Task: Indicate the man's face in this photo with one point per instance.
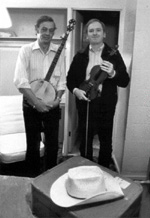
(45, 32)
(95, 33)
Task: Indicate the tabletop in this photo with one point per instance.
(129, 206)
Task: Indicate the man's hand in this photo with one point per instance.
(108, 68)
(54, 103)
(42, 107)
(80, 94)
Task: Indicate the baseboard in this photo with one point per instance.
(139, 177)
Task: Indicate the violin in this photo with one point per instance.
(97, 77)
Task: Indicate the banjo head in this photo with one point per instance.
(44, 91)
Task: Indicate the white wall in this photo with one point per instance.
(84, 4)
(126, 42)
(137, 143)
(23, 21)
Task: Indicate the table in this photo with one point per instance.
(15, 197)
(43, 206)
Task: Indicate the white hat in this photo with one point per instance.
(67, 194)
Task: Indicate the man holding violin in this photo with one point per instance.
(93, 77)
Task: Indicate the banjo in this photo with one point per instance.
(42, 88)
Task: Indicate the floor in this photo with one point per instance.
(17, 170)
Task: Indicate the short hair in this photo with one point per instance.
(92, 21)
(42, 19)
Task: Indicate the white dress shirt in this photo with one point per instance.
(33, 64)
(94, 59)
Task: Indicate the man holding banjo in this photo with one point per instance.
(42, 89)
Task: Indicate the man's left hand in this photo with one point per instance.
(108, 68)
(53, 104)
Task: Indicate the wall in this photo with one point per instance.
(137, 143)
(64, 3)
(8, 57)
(126, 42)
(24, 21)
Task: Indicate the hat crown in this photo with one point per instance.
(85, 181)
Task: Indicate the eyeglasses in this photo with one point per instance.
(44, 29)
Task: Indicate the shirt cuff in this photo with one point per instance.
(113, 75)
(74, 90)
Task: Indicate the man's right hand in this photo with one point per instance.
(80, 94)
(42, 107)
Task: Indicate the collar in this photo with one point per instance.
(99, 49)
(85, 51)
(52, 47)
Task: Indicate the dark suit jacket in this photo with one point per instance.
(77, 74)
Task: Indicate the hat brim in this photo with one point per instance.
(61, 198)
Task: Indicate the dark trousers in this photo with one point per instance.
(99, 122)
(35, 123)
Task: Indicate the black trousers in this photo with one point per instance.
(35, 123)
(100, 122)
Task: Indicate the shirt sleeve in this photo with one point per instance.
(21, 77)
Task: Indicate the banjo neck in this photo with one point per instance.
(70, 27)
(56, 57)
